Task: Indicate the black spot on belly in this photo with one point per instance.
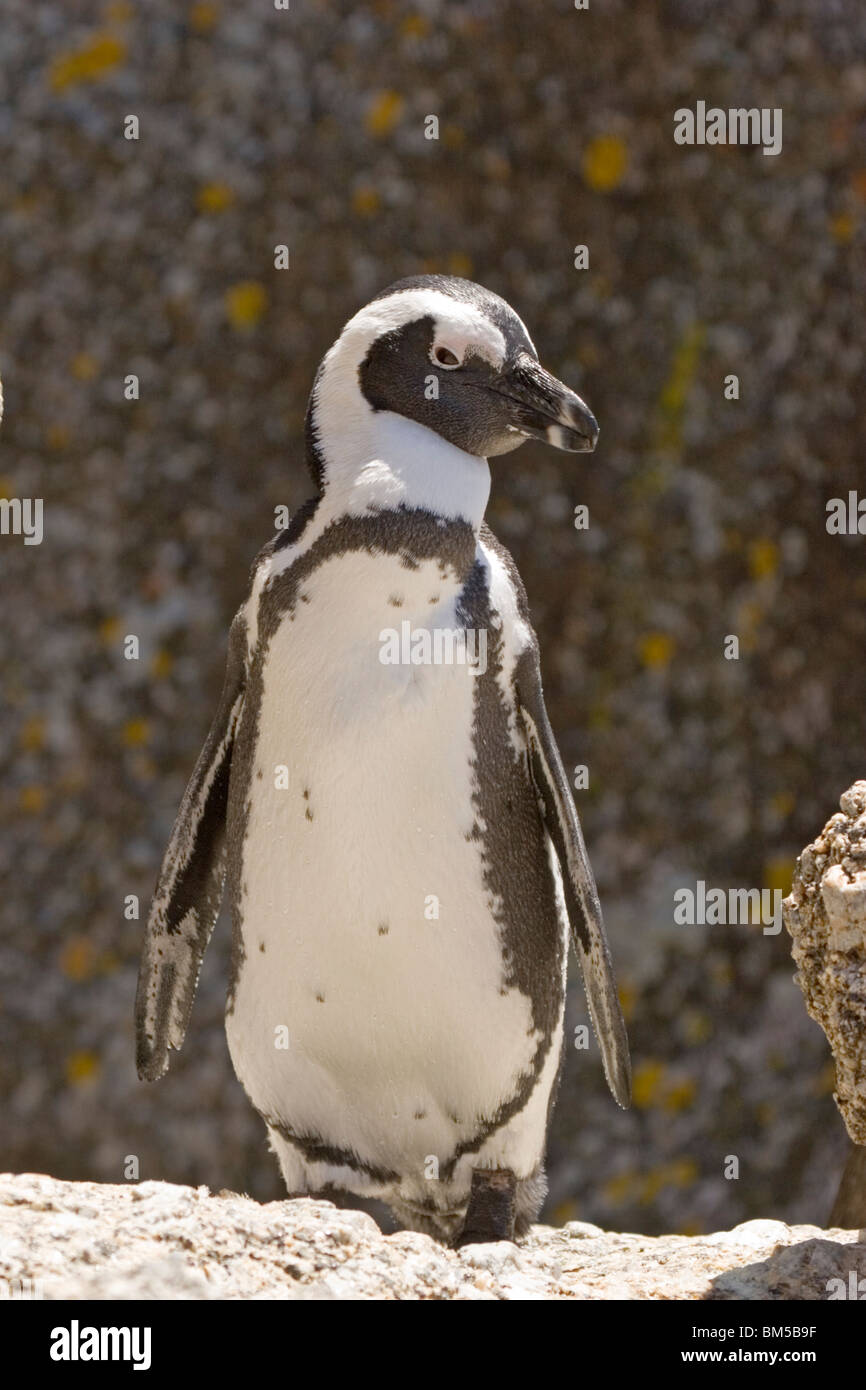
(395, 602)
(434, 599)
(383, 928)
(413, 536)
(420, 1114)
(320, 998)
(259, 773)
(261, 946)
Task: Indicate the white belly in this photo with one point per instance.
(367, 926)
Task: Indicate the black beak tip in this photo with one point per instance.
(591, 434)
(585, 425)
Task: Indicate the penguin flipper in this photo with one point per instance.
(189, 890)
(581, 894)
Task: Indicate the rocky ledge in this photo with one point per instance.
(154, 1240)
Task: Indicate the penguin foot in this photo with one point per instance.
(490, 1214)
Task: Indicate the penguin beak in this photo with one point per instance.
(544, 408)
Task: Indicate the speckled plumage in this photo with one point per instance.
(398, 842)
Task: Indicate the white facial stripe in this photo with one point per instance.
(459, 326)
(376, 458)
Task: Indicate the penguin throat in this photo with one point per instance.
(378, 460)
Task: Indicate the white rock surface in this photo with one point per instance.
(155, 1240)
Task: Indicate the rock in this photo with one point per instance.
(826, 918)
(154, 1240)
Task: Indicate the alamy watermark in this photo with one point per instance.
(739, 125)
(438, 646)
(77, 1343)
(22, 516)
(735, 907)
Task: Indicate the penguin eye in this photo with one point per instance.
(446, 358)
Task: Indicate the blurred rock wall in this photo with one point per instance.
(154, 257)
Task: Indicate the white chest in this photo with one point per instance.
(367, 924)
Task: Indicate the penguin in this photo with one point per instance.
(395, 833)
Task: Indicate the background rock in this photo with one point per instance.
(156, 257)
(826, 917)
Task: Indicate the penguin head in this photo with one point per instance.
(451, 356)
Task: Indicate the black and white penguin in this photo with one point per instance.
(395, 831)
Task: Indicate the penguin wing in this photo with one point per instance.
(581, 894)
(189, 890)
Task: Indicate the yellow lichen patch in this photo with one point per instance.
(84, 367)
(78, 959)
(108, 962)
(682, 1172)
(135, 733)
(32, 735)
(57, 437)
(652, 1183)
(778, 872)
(32, 799)
(749, 618)
(365, 201)
(109, 630)
(721, 971)
(620, 1188)
(668, 431)
(453, 137)
(683, 368)
(384, 112)
(82, 1067)
(783, 804)
(101, 53)
(203, 17)
(696, 1027)
(647, 1085)
(842, 228)
(655, 650)
(680, 1095)
(415, 26)
(459, 264)
(161, 665)
(245, 304)
(6, 488)
(763, 559)
(215, 197)
(604, 163)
